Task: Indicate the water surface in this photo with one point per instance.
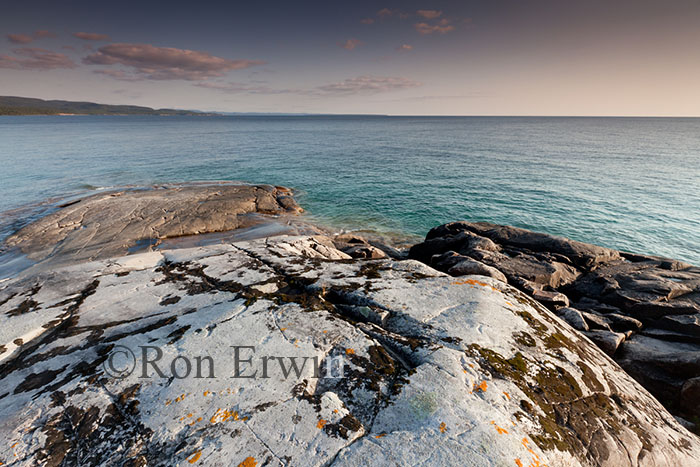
(626, 183)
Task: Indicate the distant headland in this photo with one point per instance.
(11, 105)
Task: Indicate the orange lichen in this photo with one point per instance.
(222, 415)
(14, 445)
(443, 427)
(195, 457)
(168, 402)
(474, 282)
(206, 393)
(335, 410)
(380, 435)
(248, 462)
(325, 332)
(180, 398)
(501, 431)
(283, 329)
(481, 386)
(350, 351)
(321, 423)
(507, 395)
(518, 462)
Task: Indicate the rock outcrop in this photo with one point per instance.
(437, 370)
(113, 223)
(643, 310)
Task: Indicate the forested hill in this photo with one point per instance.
(10, 105)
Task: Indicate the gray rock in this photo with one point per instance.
(573, 317)
(111, 223)
(438, 370)
(469, 266)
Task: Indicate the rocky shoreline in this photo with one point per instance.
(642, 310)
(475, 346)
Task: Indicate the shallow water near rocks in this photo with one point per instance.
(627, 183)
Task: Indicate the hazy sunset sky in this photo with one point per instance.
(495, 57)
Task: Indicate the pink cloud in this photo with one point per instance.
(91, 36)
(385, 13)
(429, 14)
(242, 88)
(367, 20)
(404, 48)
(32, 58)
(43, 33)
(19, 38)
(164, 63)
(27, 38)
(350, 44)
(368, 85)
(442, 27)
(118, 74)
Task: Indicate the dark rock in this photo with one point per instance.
(682, 324)
(364, 252)
(596, 321)
(607, 340)
(654, 310)
(551, 298)
(580, 253)
(622, 323)
(573, 317)
(651, 301)
(660, 366)
(670, 336)
(690, 397)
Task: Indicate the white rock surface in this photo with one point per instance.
(438, 370)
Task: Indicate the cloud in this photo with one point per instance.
(43, 33)
(351, 86)
(385, 13)
(368, 85)
(91, 36)
(242, 88)
(404, 48)
(442, 27)
(165, 63)
(118, 74)
(19, 38)
(429, 14)
(367, 20)
(350, 44)
(32, 58)
(27, 38)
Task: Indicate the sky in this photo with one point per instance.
(496, 57)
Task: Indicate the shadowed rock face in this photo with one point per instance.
(438, 370)
(110, 224)
(643, 310)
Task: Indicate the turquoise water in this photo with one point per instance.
(626, 183)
